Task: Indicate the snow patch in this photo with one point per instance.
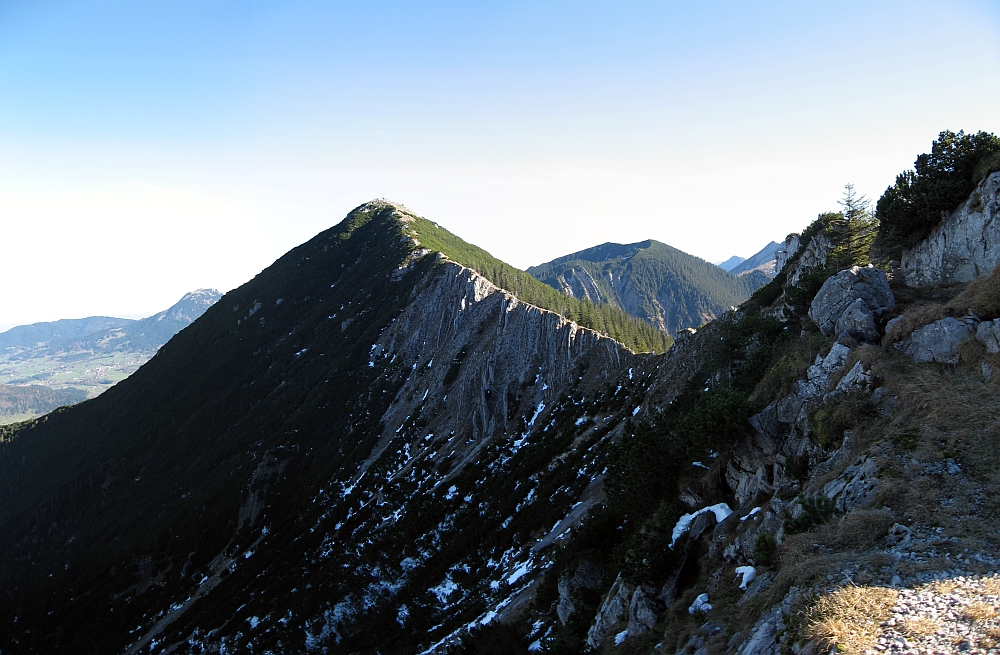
(748, 573)
(538, 410)
(700, 604)
(683, 524)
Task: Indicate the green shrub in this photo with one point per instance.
(765, 550)
(797, 467)
(940, 181)
(816, 510)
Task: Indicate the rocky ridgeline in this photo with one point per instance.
(942, 587)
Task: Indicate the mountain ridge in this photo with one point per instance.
(650, 280)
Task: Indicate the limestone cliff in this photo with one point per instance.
(965, 245)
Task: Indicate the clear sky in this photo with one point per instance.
(150, 148)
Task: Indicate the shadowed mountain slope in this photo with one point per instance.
(651, 280)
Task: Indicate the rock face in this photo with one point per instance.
(813, 256)
(841, 292)
(964, 246)
(857, 486)
(614, 609)
(785, 252)
(587, 576)
(479, 393)
(937, 342)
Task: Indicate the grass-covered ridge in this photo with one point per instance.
(633, 332)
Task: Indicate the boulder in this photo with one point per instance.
(857, 379)
(988, 334)
(858, 322)
(937, 342)
(840, 292)
(965, 245)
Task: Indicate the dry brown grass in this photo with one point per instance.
(991, 639)
(924, 627)
(959, 408)
(979, 611)
(864, 528)
(990, 586)
(981, 295)
(915, 318)
(849, 618)
(943, 586)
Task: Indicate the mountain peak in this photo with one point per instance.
(191, 305)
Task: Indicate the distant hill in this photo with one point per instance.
(763, 260)
(48, 365)
(146, 334)
(31, 336)
(650, 280)
(731, 263)
(34, 400)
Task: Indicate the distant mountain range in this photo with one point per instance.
(650, 280)
(762, 261)
(48, 365)
(731, 263)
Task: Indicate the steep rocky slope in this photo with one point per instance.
(651, 280)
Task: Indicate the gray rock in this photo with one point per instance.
(988, 334)
(899, 536)
(586, 576)
(642, 613)
(857, 486)
(764, 637)
(813, 256)
(839, 292)
(857, 379)
(937, 342)
(785, 252)
(614, 608)
(858, 322)
(987, 371)
(964, 246)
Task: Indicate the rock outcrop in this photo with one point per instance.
(964, 246)
(813, 256)
(841, 292)
(988, 334)
(939, 341)
(785, 252)
(614, 609)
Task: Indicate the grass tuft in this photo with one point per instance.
(848, 619)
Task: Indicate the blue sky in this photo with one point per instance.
(150, 148)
